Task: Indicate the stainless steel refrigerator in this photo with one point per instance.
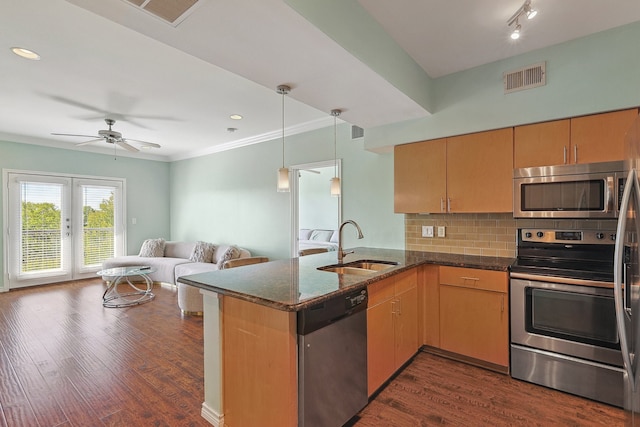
(627, 276)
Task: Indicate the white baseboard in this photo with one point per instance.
(212, 416)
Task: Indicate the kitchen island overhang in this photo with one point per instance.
(250, 330)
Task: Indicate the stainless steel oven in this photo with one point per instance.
(569, 191)
(563, 324)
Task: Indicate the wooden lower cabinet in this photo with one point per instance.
(392, 326)
(474, 314)
(260, 359)
(429, 289)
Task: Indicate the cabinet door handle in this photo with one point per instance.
(399, 312)
(502, 304)
(441, 204)
(575, 153)
(448, 204)
(564, 154)
(475, 279)
(393, 308)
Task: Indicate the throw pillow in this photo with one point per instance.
(322, 235)
(152, 248)
(202, 252)
(231, 252)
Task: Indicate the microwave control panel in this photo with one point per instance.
(597, 237)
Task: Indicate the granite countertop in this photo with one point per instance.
(296, 283)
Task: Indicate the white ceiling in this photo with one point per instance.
(177, 86)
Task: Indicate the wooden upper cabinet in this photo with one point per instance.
(480, 172)
(420, 176)
(541, 144)
(600, 137)
(587, 139)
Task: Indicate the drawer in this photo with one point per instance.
(475, 278)
(406, 280)
(381, 291)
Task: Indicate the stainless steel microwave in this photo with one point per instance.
(591, 190)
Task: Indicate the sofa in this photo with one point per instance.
(175, 259)
(311, 238)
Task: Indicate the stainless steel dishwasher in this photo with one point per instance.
(332, 360)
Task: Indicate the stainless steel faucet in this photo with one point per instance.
(341, 253)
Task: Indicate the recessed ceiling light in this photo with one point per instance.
(25, 53)
(235, 117)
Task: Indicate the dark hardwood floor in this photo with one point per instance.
(67, 361)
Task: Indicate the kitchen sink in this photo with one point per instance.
(362, 267)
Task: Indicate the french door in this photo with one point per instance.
(61, 227)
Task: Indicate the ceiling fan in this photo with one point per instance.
(112, 137)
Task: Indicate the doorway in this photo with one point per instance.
(313, 208)
(60, 227)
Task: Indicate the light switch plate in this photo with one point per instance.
(427, 231)
(441, 231)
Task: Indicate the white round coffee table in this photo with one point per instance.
(122, 276)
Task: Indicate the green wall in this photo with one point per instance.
(147, 184)
(232, 196)
(587, 75)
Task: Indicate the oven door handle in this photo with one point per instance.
(618, 273)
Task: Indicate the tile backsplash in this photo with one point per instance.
(491, 234)
(471, 234)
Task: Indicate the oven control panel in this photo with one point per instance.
(599, 237)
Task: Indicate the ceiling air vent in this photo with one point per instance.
(171, 11)
(356, 132)
(525, 78)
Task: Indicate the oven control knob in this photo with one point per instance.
(613, 237)
(540, 234)
(528, 234)
(599, 236)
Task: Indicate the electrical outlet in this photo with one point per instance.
(427, 231)
(134, 221)
(441, 231)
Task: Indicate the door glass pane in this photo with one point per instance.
(40, 227)
(98, 224)
(585, 318)
(587, 195)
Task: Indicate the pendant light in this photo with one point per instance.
(283, 173)
(335, 181)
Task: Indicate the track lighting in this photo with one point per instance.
(525, 10)
(515, 35)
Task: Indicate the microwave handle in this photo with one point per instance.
(608, 194)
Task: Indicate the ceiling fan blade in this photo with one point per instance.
(78, 104)
(88, 142)
(73, 134)
(145, 143)
(127, 146)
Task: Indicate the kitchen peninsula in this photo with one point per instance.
(250, 328)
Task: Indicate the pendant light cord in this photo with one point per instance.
(283, 90)
(335, 145)
(283, 93)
